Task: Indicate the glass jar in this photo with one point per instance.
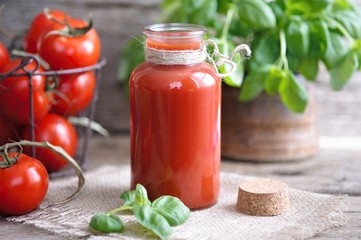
(175, 118)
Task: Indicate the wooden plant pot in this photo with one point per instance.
(265, 130)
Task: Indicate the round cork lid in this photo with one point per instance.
(263, 197)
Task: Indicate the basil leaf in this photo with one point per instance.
(141, 197)
(152, 220)
(203, 12)
(273, 80)
(309, 7)
(172, 209)
(253, 85)
(266, 49)
(223, 6)
(319, 35)
(339, 5)
(234, 79)
(298, 37)
(172, 11)
(256, 14)
(341, 73)
(336, 50)
(281, 3)
(293, 61)
(350, 20)
(278, 10)
(128, 197)
(292, 93)
(106, 223)
(309, 68)
(189, 11)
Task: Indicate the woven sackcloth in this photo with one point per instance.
(310, 213)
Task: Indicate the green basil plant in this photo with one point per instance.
(287, 37)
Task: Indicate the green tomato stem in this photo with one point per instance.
(47, 13)
(41, 61)
(86, 122)
(8, 161)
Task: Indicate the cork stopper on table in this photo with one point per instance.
(263, 197)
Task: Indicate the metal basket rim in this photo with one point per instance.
(101, 63)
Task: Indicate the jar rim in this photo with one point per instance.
(178, 30)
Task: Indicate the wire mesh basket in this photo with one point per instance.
(13, 130)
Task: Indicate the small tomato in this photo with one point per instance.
(23, 185)
(59, 132)
(38, 24)
(14, 94)
(74, 93)
(63, 47)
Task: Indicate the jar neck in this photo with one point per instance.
(175, 36)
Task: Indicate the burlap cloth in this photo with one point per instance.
(310, 213)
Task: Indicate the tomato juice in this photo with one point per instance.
(175, 129)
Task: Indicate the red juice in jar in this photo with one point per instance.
(175, 119)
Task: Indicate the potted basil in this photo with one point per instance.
(289, 40)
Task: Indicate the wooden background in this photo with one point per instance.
(119, 20)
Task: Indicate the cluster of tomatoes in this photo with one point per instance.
(64, 43)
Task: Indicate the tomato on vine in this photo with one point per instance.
(74, 93)
(41, 21)
(72, 45)
(57, 131)
(14, 93)
(24, 184)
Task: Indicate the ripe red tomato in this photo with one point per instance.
(14, 95)
(38, 24)
(74, 93)
(23, 186)
(59, 132)
(67, 52)
(4, 55)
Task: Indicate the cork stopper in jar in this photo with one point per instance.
(263, 197)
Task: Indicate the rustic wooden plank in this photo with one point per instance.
(331, 171)
(9, 230)
(352, 229)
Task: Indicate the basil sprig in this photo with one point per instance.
(287, 38)
(157, 216)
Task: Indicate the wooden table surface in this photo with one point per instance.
(336, 169)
